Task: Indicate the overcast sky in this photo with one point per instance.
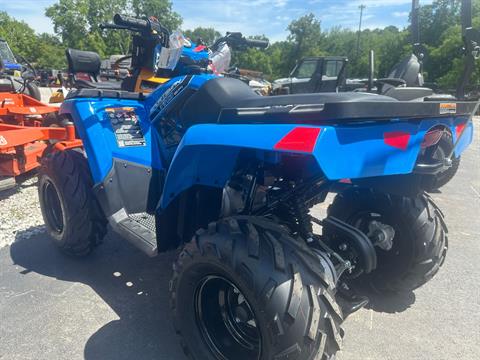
(268, 17)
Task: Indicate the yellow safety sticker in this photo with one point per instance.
(448, 108)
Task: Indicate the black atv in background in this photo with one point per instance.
(314, 75)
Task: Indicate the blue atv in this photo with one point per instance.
(206, 165)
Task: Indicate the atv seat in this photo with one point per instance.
(408, 93)
(230, 100)
(405, 81)
(87, 63)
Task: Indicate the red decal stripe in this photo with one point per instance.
(459, 129)
(299, 139)
(397, 139)
(199, 48)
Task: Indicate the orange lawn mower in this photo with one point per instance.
(29, 130)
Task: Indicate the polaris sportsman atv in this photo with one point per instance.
(205, 164)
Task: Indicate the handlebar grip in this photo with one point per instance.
(130, 22)
(262, 44)
(106, 26)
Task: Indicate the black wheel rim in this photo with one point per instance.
(439, 154)
(53, 207)
(226, 320)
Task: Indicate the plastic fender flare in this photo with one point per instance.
(207, 154)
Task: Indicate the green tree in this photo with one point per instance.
(161, 9)
(206, 35)
(20, 37)
(445, 63)
(77, 22)
(436, 18)
(42, 51)
(306, 36)
(255, 59)
(70, 21)
(50, 53)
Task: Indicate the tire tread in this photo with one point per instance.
(251, 236)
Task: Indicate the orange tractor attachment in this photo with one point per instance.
(27, 128)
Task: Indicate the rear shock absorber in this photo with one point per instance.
(301, 213)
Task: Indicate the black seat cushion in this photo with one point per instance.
(408, 70)
(88, 62)
(83, 62)
(408, 93)
(107, 85)
(225, 99)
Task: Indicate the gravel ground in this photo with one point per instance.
(20, 212)
(19, 207)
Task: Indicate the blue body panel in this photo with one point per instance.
(465, 140)
(195, 55)
(207, 153)
(12, 66)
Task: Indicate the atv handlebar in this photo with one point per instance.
(261, 44)
(145, 26)
(113, 27)
(237, 41)
(131, 22)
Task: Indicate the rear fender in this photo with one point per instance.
(466, 137)
(208, 153)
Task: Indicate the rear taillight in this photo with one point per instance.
(432, 138)
(302, 139)
(459, 129)
(397, 139)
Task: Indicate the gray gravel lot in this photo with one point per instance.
(20, 212)
(114, 304)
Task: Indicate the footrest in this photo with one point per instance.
(139, 229)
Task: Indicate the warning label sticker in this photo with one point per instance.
(448, 108)
(126, 126)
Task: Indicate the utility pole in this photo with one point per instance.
(361, 7)
(415, 22)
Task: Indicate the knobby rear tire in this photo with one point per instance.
(420, 244)
(290, 289)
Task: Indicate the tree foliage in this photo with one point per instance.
(43, 50)
(77, 22)
(205, 35)
(77, 25)
(440, 32)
